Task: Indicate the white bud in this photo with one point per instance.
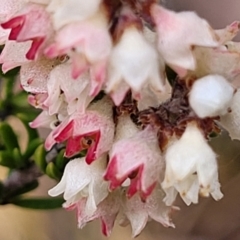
(211, 96)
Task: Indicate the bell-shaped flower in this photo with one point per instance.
(30, 23)
(106, 211)
(191, 167)
(92, 130)
(68, 11)
(231, 121)
(137, 157)
(134, 62)
(211, 96)
(61, 86)
(138, 212)
(81, 180)
(191, 31)
(78, 40)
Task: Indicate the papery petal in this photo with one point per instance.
(13, 55)
(34, 75)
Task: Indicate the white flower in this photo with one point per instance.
(82, 180)
(211, 96)
(191, 167)
(134, 63)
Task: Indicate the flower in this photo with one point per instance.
(191, 167)
(138, 212)
(190, 30)
(81, 180)
(211, 96)
(84, 50)
(106, 211)
(62, 87)
(92, 130)
(134, 62)
(137, 157)
(22, 30)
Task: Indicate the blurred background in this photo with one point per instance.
(209, 220)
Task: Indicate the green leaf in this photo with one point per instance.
(31, 148)
(53, 172)
(61, 161)
(7, 159)
(39, 203)
(18, 158)
(8, 136)
(40, 157)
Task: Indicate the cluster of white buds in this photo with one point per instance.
(97, 69)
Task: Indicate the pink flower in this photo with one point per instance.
(78, 39)
(190, 30)
(93, 130)
(138, 212)
(137, 157)
(106, 211)
(31, 23)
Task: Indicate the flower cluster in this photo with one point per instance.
(98, 70)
